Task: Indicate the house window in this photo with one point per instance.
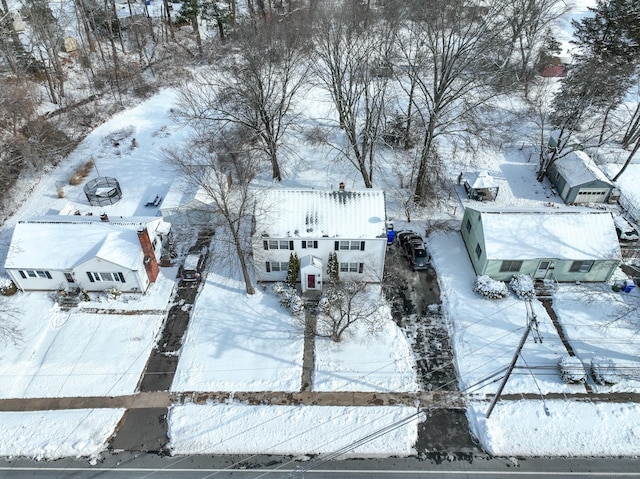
(581, 266)
(468, 225)
(510, 266)
(351, 267)
(478, 250)
(349, 245)
(308, 244)
(274, 266)
(29, 273)
(277, 244)
(111, 277)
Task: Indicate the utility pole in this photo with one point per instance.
(532, 324)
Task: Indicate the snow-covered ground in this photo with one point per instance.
(238, 342)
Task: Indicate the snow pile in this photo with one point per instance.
(289, 298)
(604, 370)
(572, 370)
(522, 286)
(490, 288)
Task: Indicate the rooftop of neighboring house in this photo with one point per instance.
(578, 168)
(562, 233)
(59, 242)
(310, 213)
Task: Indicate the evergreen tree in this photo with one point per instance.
(613, 32)
(602, 72)
(294, 270)
(333, 268)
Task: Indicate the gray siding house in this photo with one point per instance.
(566, 245)
(579, 180)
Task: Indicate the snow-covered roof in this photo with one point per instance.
(578, 168)
(321, 213)
(181, 194)
(481, 180)
(571, 233)
(61, 242)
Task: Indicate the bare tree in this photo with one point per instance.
(254, 92)
(522, 30)
(446, 50)
(343, 305)
(225, 173)
(47, 38)
(353, 51)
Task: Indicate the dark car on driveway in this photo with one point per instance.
(412, 246)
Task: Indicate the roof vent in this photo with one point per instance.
(104, 217)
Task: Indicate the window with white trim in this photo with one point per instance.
(351, 267)
(30, 273)
(277, 244)
(275, 266)
(309, 244)
(478, 250)
(106, 277)
(581, 266)
(508, 266)
(349, 246)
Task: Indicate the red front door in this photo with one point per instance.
(311, 281)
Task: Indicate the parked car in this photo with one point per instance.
(192, 268)
(626, 232)
(413, 248)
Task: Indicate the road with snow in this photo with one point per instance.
(139, 466)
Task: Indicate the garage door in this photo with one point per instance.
(591, 195)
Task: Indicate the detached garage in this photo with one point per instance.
(579, 180)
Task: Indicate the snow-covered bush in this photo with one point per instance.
(603, 370)
(522, 286)
(490, 288)
(289, 298)
(572, 370)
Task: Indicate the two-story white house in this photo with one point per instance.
(314, 223)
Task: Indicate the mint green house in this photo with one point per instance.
(563, 244)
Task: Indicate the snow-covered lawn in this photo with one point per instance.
(240, 429)
(57, 434)
(594, 320)
(79, 353)
(237, 342)
(557, 428)
(365, 360)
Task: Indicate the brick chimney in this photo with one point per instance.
(150, 262)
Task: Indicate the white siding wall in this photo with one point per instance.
(135, 280)
(38, 283)
(372, 256)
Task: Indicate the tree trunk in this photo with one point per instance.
(243, 262)
(628, 161)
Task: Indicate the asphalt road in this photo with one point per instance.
(139, 466)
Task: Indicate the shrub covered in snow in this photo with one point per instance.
(522, 285)
(289, 298)
(490, 288)
(603, 370)
(572, 370)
